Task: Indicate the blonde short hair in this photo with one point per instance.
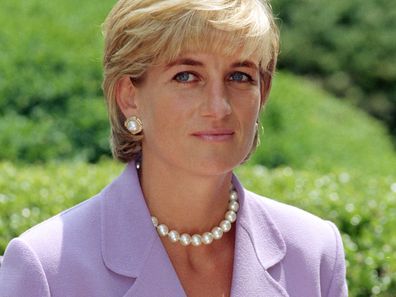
(139, 33)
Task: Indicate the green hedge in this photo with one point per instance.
(50, 76)
(307, 128)
(362, 206)
(347, 45)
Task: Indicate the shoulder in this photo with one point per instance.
(294, 223)
(35, 258)
(67, 251)
(67, 235)
(314, 248)
(70, 224)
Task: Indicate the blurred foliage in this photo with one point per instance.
(348, 45)
(30, 194)
(304, 127)
(51, 103)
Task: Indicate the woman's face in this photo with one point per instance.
(199, 112)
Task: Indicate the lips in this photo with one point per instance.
(214, 135)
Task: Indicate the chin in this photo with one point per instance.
(218, 166)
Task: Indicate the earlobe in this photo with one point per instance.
(125, 96)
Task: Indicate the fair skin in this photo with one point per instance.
(199, 114)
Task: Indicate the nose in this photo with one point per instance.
(216, 103)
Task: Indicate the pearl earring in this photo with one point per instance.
(134, 125)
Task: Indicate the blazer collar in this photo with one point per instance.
(131, 246)
(127, 231)
(258, 246)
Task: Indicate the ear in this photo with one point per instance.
(266, 83)
(126, 96)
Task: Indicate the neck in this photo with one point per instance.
(184, 201)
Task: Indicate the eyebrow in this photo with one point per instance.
(184, 61)
(192, 62)
(246, 63)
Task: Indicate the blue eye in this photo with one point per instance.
(240, 77)
(184, 77)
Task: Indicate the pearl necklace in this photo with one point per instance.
(206, 238)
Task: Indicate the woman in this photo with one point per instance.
(185, 82)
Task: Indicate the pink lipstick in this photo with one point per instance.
(215, 135)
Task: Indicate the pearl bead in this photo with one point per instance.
(132, 126)
(231, 216)
(234, 196)
(155, 221)
(185, 239)
(196, 240)
(163, 229)
(217, 232)
(174, 236)
(233, 205)
(225, 225)
(207, 238)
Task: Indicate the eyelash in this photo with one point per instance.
(244, 80)
(248, 77)
(177, 77)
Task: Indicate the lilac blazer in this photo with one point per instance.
(108, 247)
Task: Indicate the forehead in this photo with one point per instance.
(211, 58)
(215, 42)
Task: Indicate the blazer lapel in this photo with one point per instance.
(258, 246)
(158, 277)
(132, 248)
(130, 244)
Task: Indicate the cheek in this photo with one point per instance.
(164, 117)
(248, 108)
(248, 112)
